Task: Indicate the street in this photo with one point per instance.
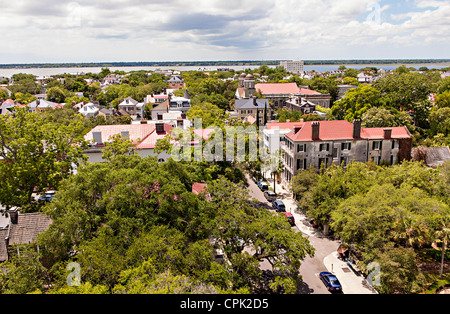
(311, 266)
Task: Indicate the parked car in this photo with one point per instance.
(331, 281)
(278, 206)
(270, 196)
(289, 217)
(47, 196)
(262, 185)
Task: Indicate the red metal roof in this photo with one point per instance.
(343, 130)
(278, 88)
(283, 88)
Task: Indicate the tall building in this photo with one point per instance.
(293, 66)
(341, 142)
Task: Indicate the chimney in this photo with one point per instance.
(125, 134)
(387, 133)
(97, 136)
(357, 128)
(159, 128)
(254, 101)
(14, 215)
(315, 125)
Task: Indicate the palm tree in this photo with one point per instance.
(277, 167)
(410, 231)
(443, 236)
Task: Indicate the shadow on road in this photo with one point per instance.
(260, 205)
(303, 288)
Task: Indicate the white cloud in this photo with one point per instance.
(139, 30)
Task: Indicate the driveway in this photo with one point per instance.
(325, 257)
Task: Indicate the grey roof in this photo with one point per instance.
(41, 103)
(128, 100)
(28, 226)
(437, 156)
(106, 111)
(249, 104)
(3, 248)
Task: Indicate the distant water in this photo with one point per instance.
(47, 72)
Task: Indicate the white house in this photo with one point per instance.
(365, 78)
(144, 137)
(89, 110)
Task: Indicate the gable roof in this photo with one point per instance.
(143, 136)
(277, 88)
(248, 104)
(25, 231)
(378, 133)
(164, 106)
(284, 125)
(306, 91)
(435, 156)
(128, 101)
(42, 103)
(343, 130)
(28, 227)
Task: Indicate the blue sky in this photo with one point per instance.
(175, 30)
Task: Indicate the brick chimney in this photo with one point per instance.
(357, 128)
(14, 215)
(387, 133)
(315, 125)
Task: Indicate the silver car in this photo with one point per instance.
(270, 196)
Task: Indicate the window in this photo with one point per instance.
(393, 160)
(377, 160)
(323, 161)
(346, 146)
(376, 145)
(301, 148)
(394, 144)
(335, 152)
(324, 147)
(301, 164)
(344, 161)
(243, 112)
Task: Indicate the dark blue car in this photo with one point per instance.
(278, 206)
(262, 185)
(47, 197)
(331, 281)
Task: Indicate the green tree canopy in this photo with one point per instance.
(37, 159)
(356, 102)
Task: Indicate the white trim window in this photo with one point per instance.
(376, 145)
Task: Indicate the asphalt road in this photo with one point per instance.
(311, 266)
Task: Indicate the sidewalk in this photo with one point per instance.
(351, 282)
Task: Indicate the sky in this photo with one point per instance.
(58, 31)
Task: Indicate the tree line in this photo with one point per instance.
(393, 216)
